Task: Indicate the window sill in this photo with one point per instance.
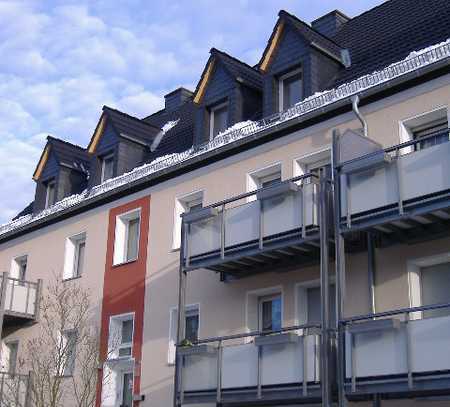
(174, 250)
(71, 278)
(125, 263)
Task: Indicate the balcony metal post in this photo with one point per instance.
(37, 304)
(261, 224)
(219, 372)
(408, 352)
(29, 392)
(371, 270)
(259, 373)
(340, 269)
(4, 285)
(324, 290)
(222, 233)
(181, 321)
(399, 181)
(305, 364)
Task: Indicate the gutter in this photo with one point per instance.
(334, 109)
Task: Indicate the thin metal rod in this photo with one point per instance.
(371, 267)
(325, 292)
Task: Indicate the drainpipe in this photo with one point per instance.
(371, 270)
(355, 107)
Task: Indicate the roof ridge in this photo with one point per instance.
(129, 116)
(214, 50)
(52, 138)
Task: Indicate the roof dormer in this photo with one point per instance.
(229, 91)
(297, 62)
(62, 171)
(120, 143)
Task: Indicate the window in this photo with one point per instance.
(218, 120)
(439, 128)
(11, 352)
(186, 203)
(107, 166)
(290, 89)
(74, 256)
(264, 177)
(126, 389)
(312, 162)
(121, 331)
(68, 352)
(19, 267)
(270, 313)
(192, 317)
(270, 180)
(50, 195)
(309, 308)
(126, 243)
(435, 284)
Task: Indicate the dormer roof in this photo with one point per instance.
(65, 153)
(239, 71)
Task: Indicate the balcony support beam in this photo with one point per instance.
(371, 265)
(3, 288)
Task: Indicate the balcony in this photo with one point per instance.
(19, 300)
(265, 229)
(14, 390)
(401, 192)
(398, 353)
(252, 367)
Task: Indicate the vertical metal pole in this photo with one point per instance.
(340, 269)
(324, 291)
(219, 372)
(259, 378)
(181, 318)
(222, 233)
(4, 285)
(37, 303)
(376, 401)
(28, 394)
(371, 271)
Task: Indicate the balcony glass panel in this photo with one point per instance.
(384, 352)
(242, 224)
(200, 372)
(422, 173)
(204, 236)
(20, 297)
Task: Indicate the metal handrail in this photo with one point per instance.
(409, 310)
(396, 147)
(253, 333)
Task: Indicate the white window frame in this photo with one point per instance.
(122, 373)
(68, 369)
(50, 183)
(6, 355)
(266, 298)
(70, 270)
(281, 79)
(15, 266)
(103, 165)
(406, 125)
(212, 111)
(181, 206)
(315, 159)
(121, 236)
(414, 267)
(254, 178)
(115, 333)
(173, 323)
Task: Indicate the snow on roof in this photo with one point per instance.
(412, 62)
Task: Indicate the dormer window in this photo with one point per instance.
(50, 195)
(107, 163)
(218, 120)
(290, 89)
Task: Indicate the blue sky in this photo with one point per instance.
(61, 61)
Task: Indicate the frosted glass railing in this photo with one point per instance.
(21, 296)
(407, 177)
(14, 389)
(253, 223)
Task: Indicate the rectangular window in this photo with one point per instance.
(107, 166)
(270, 180)
(439, 129)
(126, 243)
(290, 89)
(270, 313)
(192, 318)
(50, 196)
(314, 308)
(121, 333)
(435, 288)
(74, 256)
(127, 389)
(12, 351)
(19, 267)
(218, 120)
(68, 352)
(184, 204)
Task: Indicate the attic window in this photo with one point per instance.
(107, 167)
(218, 120)
(50, 194)
(290, 89)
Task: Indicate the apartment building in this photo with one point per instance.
(296, 212)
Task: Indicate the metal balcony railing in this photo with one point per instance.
(251, 366)
(14, 390)
(406, 180)
(19, 297)
(252, 224)
(406, 349)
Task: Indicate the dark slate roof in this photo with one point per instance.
(131, 126)
(389, 32)
(25, 211)
(180, 137)
(69, 154)
(238, 69)
(311, 35)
